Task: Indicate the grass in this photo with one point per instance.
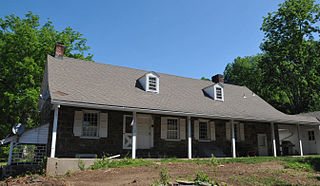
(304, 164)
(126, 162)
(310, 163)
(247, 160)
(257, 180)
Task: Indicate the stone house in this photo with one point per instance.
(90, 109)
(96, 109)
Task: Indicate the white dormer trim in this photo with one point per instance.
(150, 82)
(218, 92)
(152, 86)
(213, 92)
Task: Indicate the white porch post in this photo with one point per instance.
(233, 140)
(134, 135)
(273, 140)
(10, 153)
(300, 142)
(54, 131)
(189, 139)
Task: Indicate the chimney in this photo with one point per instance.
(59, 50)
(217, 78)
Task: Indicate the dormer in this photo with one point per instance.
(215, 91)
(150, 82)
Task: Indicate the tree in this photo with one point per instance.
(24, 46)
(290, 64)
(204, 78)
(245, 72)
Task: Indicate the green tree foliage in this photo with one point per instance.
(288, 70)
(245, 72)
(24, 46)
(291, 57)
(204, 78)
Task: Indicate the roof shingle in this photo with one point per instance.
(80, 81)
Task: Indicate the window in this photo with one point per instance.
(203, 130)
(311, 135)
(218, 93)
(150, 82)
(172, 129)
(128, 121)
(90, 124)
(153, 83)
(215, 92)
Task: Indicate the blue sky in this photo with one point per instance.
(191, 38)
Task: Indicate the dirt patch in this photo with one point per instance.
(33, 180)
(271, 173)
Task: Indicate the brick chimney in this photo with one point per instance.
(59, 50)
(217, 78)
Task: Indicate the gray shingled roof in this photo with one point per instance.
(314, 114)
(77, 81)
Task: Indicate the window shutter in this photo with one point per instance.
(103, 132)
(163, 128)
(212, 131)
(77, 125)
(242, 132)
(196, 129)
(183, 129)
(228, 131)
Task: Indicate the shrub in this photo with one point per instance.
(81, 165)
(214, 161)
(202, 177)
(69, 172)
(164, 178)
(296, 165)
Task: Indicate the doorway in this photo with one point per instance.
(144, 131)
(310, 143)
(262, 145)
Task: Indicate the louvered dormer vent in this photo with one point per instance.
(150, 82)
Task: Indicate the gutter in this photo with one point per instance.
(176, 113)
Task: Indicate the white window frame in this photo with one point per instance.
(208, 130)
(215, 92)
(98, 123)
(178, 129)
(147, 83)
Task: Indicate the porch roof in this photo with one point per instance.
(82, 83)
(314, 114)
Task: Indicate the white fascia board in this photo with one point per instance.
(176, 113)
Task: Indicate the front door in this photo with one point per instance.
(262, 145)
(309, 145)
(144, 131)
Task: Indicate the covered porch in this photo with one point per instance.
(160, 135)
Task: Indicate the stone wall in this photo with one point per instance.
(69, 145)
